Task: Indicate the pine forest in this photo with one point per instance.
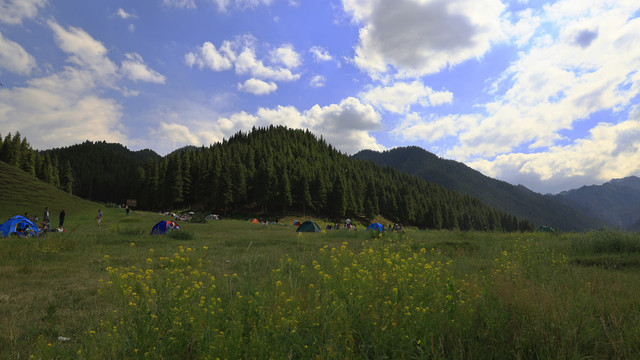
(272, 171)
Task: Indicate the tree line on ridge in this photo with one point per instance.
(274, 170)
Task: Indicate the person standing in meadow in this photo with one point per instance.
(99, 217)
(46, 215)
(62, 215)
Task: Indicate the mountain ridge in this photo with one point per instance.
(514, 199)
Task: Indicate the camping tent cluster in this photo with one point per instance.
(19, 226)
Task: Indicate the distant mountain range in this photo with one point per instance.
(614, 204)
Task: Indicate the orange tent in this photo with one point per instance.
(255, 221)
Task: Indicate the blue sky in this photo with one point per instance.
(539, 93)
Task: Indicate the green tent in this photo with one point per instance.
(308, 226)
(547, 228)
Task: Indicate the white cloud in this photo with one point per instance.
(224, 5)
(59, 109)
(423, 37)
(257, 87)
(247, 63)
(431, 129)
(611, 151)
(345, 125)
(525, 27)
(12, 12)
(15, 58)
(186, 4)
(240, 54)
(208, 56)
(320, 54)
(132, 28)
(121, 13)
(287, 56)
(135, 69)
(559, 82)
(399, 97)
(84, 51)
(317, 81)
(67, 105)
(577, 62)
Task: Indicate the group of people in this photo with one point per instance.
(45, 224)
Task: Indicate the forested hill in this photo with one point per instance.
(516, 200)
(273, 170)
(103, 171)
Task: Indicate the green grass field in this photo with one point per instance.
(231, 289)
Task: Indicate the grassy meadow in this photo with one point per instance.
(231, 289)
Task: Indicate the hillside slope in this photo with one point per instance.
(617, 201)
(22, 193)
(516, 200)
(277, 171)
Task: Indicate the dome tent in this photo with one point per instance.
(163, 226)
(375, 227)
(308, 226)
(19, 225)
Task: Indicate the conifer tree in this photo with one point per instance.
(67, 177)
(174, 180)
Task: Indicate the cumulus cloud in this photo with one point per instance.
(59, 109)
(287, 56)
(399, 97)
(248, 63)
(207, 56)
(12, 12)
(554, 85)
(15, 58)
(320, 54)
(317, 81)
(345, 125)
(257, 87)
(423, 37)
(67, 104)
(414, 127)
(240, 54)
(135, 69)
(576, 62)
(610, 152)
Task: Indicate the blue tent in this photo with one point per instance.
(375, 227)
(20, 226)
(163, 226)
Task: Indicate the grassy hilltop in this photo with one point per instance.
(24, 193)
(232, 289)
